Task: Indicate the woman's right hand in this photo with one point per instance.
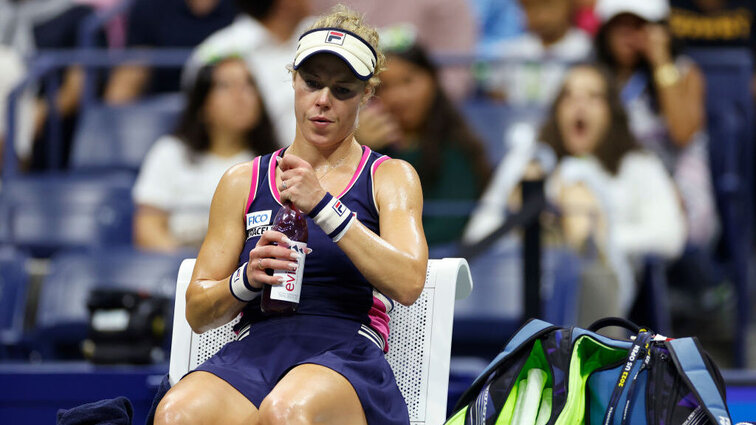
(377, 127)
(656, 45)
(271, 252)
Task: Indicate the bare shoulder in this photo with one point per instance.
(396, 170)
(397, 185)
(238, 176)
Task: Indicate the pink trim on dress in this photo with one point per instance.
(253, 187)
(272, 176)
(378, 162)
(379, 320)
(365, 155)
(373, 169)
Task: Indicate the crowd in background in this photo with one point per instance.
(621, 141)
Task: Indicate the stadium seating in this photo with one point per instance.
(46, 213)
(62, 315)
(118, 137)
(14, 281)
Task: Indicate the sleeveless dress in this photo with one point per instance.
(341, 321)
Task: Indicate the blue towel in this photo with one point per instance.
(115, 411)
(165, 385)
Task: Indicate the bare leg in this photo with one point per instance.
(312, 394)
(203, 398)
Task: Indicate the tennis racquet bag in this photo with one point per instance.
(548, 374)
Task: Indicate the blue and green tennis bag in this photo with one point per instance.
(552, 375)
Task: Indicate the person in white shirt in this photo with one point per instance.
(616, 202)
(264, 34)
(223, 124)
(528, 69)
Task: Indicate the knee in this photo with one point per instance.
(277, 410)
(174, 410)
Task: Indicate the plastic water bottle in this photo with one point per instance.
(284, 298)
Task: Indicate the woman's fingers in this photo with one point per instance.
(291, 161)
(271, 253)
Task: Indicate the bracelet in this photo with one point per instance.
(332, 216)
(667, 75)
(240, 287)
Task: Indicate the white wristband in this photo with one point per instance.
(332, 216)
(240, 287)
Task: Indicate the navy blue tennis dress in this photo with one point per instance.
(341, 321)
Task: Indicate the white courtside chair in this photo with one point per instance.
(419, 344)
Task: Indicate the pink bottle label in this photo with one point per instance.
(291, 287)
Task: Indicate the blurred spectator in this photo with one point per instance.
(164, 24)
(443, 27)
(264, 34)
(616, 202)
(715, 23)
(497, 20)
(411, 118)
(663, 93)
(27, 26)
(13, 73)
(224, 123)
(115, 27)
(535, 62)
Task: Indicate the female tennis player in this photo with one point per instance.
(325, 363)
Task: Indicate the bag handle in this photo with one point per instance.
(686, 354)
(614, 321)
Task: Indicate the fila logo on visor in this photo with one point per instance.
(335, 37)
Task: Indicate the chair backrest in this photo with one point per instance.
(47, 213)
(118, 137)
(420, 341)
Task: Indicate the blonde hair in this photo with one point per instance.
(349, 20)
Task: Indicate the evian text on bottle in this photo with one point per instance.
(291, 286)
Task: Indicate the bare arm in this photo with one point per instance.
(681, 99)
(682, 105)
(209, 302)
(71, 90)
(66, 102)
(151, 229)
(402, 242)
(126, 84)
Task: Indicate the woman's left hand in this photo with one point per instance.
(299, 184)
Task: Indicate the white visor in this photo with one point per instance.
(355, 51)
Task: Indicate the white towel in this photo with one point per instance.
(521, 387)
(544, 413)
(529, 411)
